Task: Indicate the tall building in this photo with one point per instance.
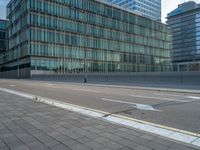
(185, 24)
(3, 37)
(147, 8)
(74, 37)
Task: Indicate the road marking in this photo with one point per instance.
(186, 96)
(75, 89)
(193, 97)
(197, 142)
(145, 107)
(12, 85)
(118, 101)
(50, 84)
(85, 90)
(160, 98)
(136, 105)
(153, 129)
(168, 94)
(171, 133)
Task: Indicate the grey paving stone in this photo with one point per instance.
(101, 127)
(113, 145)
(111, 136)
(27, 139)
(92, 135)
(134, 132)
(80, 147)
(141, 147)
(125, 148)
(4, 148)
(48, 140)
(37, 146)
(147, 137)
(96, 131)
(58, 136)
(70, 142)
(74, 135)
(83, 132)
(10, 139)
(60, 147)
(83, 140)
(22, 147)
(102, 140)
(16, 145)
(4, 131)
(128, 143)
(123, 129)
(162, 141)
(95, 145)
(154, 146)
(106, 148)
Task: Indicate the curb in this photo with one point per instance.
(146, 88)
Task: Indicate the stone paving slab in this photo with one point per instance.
(30, 125)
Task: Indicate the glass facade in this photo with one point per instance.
(71, 37)
(147, 8)
(3, 38)
(185, 24)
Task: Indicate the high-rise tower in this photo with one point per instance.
(147, 8)
(184, 22)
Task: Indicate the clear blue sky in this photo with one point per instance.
(3, 4)
(167, 6)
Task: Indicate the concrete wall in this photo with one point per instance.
(23, 73)
(167, 78)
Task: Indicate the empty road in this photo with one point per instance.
(171, 109)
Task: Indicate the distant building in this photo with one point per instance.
(185, 25)
(82, 36)
(3, 37)
(147, 8)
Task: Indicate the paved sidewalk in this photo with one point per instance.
(29, 125)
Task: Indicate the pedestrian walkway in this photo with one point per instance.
(30, 125)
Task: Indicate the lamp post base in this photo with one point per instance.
(85, 80)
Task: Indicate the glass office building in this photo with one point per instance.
(74, 37)
(3, 37)
(185, 24)
(147, 8)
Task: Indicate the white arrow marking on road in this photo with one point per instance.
(136, 105)
(193, 97)
(50, 84)
(160, 98)
(145, 107)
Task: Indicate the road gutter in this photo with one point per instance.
(147, 88)
(193, 139)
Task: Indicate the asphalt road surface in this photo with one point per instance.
(171, 109)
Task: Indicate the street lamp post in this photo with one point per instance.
(85, 65)
(85, 68)
(18, 73)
